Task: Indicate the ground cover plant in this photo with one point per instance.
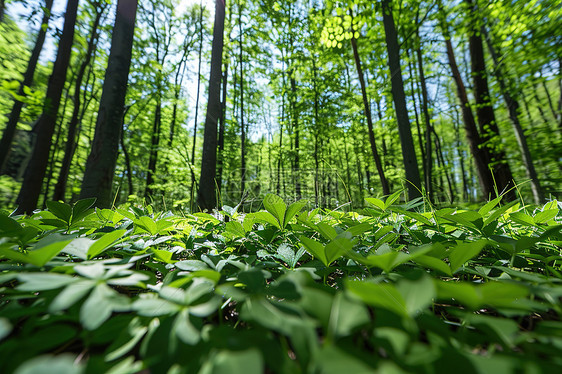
(395, 288)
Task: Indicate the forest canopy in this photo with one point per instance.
(331, 101)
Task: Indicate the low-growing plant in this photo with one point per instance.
(390, 288)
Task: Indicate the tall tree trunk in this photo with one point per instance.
(427, 119)
(296, 129)
(197, 99)
(242, 124)
(489, 131)
(100, 166)
(513, 109)
(70, 145)
(35, 172)
(369, 118)
(206, 198)
(11, 125)
(222, 126)
(408, 151)
(154, 145)
(480, 156)
(2, 10)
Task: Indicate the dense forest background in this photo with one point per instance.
(332, 101)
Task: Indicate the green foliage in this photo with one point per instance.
(387, 288)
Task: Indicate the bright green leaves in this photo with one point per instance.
(338, 246)
(104, 242)
(406, 299)
(69, 215)
(492, 294)
(340, 28)
(279, 211)
(41, 253)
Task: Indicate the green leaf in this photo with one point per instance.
(267, 218)
(163, 255)
(434, 264)
(376, 202)
(99, 305)
(417, 293)
(276, 206)
(71, 295)
(104, 242)
(337, 247)
(9, 226)
(5, 328)
(235, 362)
(463, 252)
(489, 206)
(82, 208)
(147, 224)
(522, 218)
(60, 210)
(384, 296)
(41, 253)
(34, 282)
(60, 364)
(292, 210)
(314, 248)
(327, 231)
(184, 329)
(235, 228)
(545, 216)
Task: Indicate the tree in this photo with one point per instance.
(368, 116)
(480, 156)
(73, 125)
(489, 131)
(100, 166)
(206, 198)
(9, 131)
(408, 151)
(35, 172)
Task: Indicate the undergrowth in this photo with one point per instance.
(390, 288)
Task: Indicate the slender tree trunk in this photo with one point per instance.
(242, 124)
(489, 131)
(296, 129)
(206, 198)
(222, 126)
(480, 156)
(35, 172)
(513, 110)
(2, 10)
(399, 98)
(197, 99)
(70, 145)
(127, 161)
(369, 118)
(100, 166)
(13, 118)
(154, 145)
(427, 118)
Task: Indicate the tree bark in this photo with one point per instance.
(35, 172)
(513, 110)
(408, 151)
(206, 198)
(489, 131)
(13, 119)
(369, 118)
(242, 124)
(70, 145)
(197, 98)
(100, 166)
(480, 156)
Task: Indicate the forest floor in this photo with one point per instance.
(392, 287)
